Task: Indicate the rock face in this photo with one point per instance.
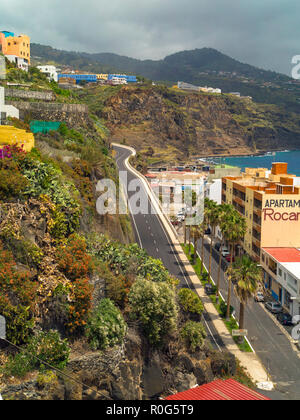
(197, 124)
(131, 372)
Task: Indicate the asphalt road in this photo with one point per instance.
(268, 341)
(151, 236)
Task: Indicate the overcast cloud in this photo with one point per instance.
(264, 33)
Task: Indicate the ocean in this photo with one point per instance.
(265, 161)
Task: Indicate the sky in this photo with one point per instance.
(264, 33)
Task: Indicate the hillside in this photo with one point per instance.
(170, 125)
(72, 283)
(200, 66)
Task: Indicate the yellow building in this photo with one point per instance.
(102, 76)
(16, 48)
(13, 136)
(270, 202)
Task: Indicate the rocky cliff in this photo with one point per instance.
(130, 372)
(176, 124)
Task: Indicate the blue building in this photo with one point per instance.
(89, 78)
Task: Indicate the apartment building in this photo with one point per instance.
(16, 49)
(270, 203)
(50, 72)
(6, 110)
(282, 276)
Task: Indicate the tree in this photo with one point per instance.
(196, 233)
(245, 275)
(106, 326)
(212, 214)
(154, 306)
(234, 229)
(225, 209)
(194, 335)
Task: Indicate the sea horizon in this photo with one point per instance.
(292, 157)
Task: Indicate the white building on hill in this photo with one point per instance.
(6, 110)
(50, 71)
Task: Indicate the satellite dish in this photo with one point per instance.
(2, 328)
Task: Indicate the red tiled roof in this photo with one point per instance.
(220, 390)
(284, 255)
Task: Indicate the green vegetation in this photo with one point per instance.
(221, 307)
(194, 335)
(44, 350)
(106, 326)
(154, 306)
(190, 302)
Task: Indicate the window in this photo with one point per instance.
(280, 272)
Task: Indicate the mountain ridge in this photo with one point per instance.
(202, 67)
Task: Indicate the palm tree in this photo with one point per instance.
(212, 217)
(245, 275)
(224, 210)
(234, 229)
(196, 232)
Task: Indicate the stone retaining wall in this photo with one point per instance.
(29, 94)
(73, 114)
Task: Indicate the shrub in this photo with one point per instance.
(73, 259)
(12, 183)
(190, 302)
(17, 298)
(81, 305)
(45, 347)
(194, 335)
(106, 326)
(154, 306)
(50, 348)
(223, 309)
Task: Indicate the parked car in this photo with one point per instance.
(229, 259)
(285, 319)
(274, 307)
(209, 289)
(259, 297)
(225, 252)
(218, 246)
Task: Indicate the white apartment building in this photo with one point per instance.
(21, 63)
(119, 80)
(6, 110)
(282, 276)
(50, 71)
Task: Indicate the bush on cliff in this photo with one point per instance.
(106, 326)
(154, 306)
(190, 302)
(42, 351)
(194, 335)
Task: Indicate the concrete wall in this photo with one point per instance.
(28, 94)
(74, 114)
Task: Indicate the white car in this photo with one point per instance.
(259, 297)
(225, 252)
